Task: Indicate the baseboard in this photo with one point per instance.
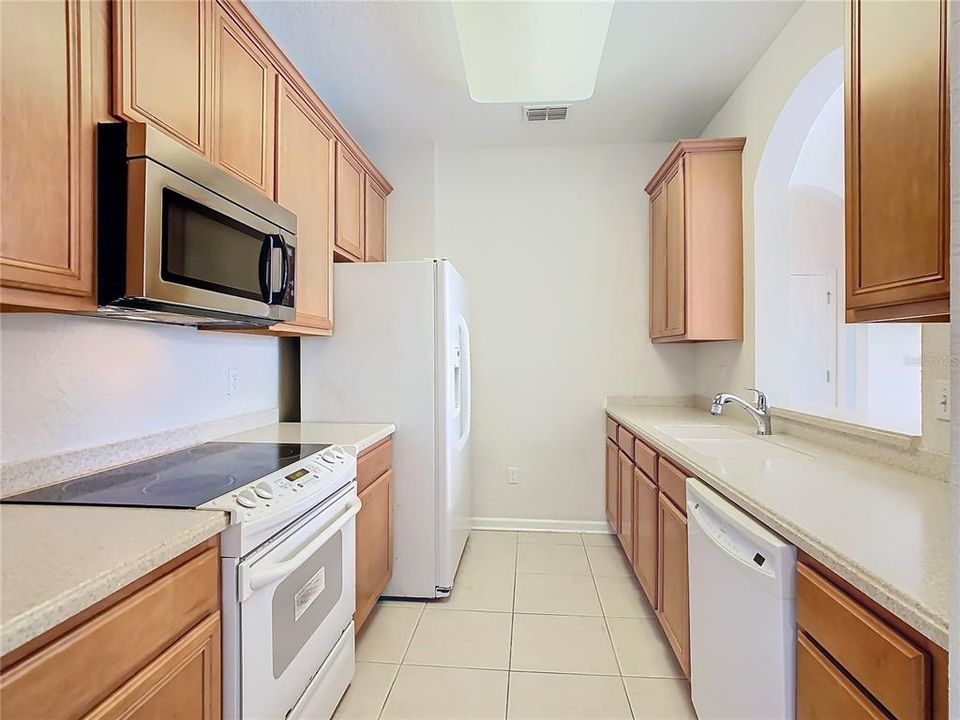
(530, 524)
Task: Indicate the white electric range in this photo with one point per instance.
(288, 561)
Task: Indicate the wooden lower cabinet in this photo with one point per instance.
(646, 542)
(374, 531)
(824, 692)
(151, 650)
(625, 533)
(184, 682)
(673, 595)
(613, 486)
(856, 660)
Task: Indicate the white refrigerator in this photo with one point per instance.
(400, 353)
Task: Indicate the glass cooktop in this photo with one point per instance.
(183, 479)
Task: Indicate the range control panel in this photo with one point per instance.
(316, 476)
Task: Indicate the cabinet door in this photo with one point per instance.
(161, 66)
(375, 229)
(824, 692)
(613, 485)
(645, 533)
(897, 161)
(184, 682)
(374, 544)
(676, 286)
(673, 601)
(306, 166)
(658, 263)
(350, 209)
(47, 142)
(625, 530)
(243, 81)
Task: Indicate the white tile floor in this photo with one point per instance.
(539, 625)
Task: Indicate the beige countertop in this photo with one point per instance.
(358, 436)
(57, 560)
(884, 530)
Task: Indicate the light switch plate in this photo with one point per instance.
(941, 398)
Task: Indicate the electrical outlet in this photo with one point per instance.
(513, 476)
(233, 381)
(941, 396)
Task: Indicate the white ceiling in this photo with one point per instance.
(392, 71)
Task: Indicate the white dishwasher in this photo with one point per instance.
(742, 612)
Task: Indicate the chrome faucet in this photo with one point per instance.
(760, 411)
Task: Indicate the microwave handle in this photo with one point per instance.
(271, 295)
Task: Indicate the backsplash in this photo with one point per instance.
(74, 383)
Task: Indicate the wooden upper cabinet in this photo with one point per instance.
(897, 162)
(375, 218)
(243, 104)
(47, 132)
(306, 166)
(658, 263)
(673, 591)
(161, 63)
(350, 207)
(696, 243)
(675, 281)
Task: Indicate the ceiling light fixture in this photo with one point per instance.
(531, 51)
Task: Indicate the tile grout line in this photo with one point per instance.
(423, 609)
(513, 617)
(616, 655)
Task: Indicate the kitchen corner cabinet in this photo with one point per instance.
(47, 129)
(243, 104)
(151, 650)
(696, 243)
(613, 486)
(374, 527)
(350, 208)
(897, 162)
(374, 222)
(305, 175)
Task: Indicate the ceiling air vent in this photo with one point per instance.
(536, 113)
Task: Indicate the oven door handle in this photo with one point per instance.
(253, 578)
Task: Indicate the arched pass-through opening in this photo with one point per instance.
(807, 357)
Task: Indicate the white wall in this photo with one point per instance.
(74, 382)
(553, 245)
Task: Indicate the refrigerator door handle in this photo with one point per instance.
(464, 386)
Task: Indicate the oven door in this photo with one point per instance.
(190, 246)
(297, 597)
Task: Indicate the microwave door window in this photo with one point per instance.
(205, 249)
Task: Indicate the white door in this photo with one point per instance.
(454, 408)
(813, 341)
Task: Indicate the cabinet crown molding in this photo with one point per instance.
(692, 145)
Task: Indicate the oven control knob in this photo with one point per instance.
(247, 499)
(264, 490)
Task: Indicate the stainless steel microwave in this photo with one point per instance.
(179, 240)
